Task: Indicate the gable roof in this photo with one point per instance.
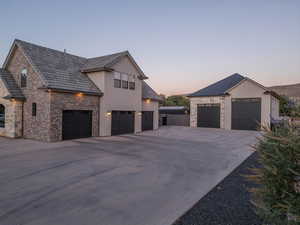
(149, 93)
(59, 70)
(220, 87)
(11, 85)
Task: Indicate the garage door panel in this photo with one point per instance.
(208, 115)
(147, 120)
(122, 122)
(246, 114)
(76, 124)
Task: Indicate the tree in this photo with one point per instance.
(177, 100)
(286, 106)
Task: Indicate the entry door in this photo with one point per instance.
(246, 113)
(147, 120)
(76, 124)
(208, 115)
(122, 122)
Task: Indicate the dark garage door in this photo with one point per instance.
(122, 122)
(246, 113)
(76, 124)
(147, 120)
(208, 115)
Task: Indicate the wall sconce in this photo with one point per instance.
(79, 94)
(148, 100)
(139, 113)
(108, 114)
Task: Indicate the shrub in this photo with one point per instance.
(277, 196)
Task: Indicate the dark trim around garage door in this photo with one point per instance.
(122, 122)
(76, 124)
(208, 115)
(245, 113)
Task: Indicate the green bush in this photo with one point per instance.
(277, 197)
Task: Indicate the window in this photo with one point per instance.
(33, 109)
(131, 83)
(117, 80)
(2, 116)
(24, 78)
(125, 81)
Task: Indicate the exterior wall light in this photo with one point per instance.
(148, 100)
(79, 94)
(139, 113)
(108, 113)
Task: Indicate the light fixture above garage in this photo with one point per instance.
(79, 94)
(108, 113)
(148, 100)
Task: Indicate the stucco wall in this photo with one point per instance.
(13, 115)
(118, 99)
(152, 106)
(246, 89)
(34, 127)
(195, 101)
(67, 101)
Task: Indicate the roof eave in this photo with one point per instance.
(10, 97)
(97, 69)
(272, 93)
(153, 99)
(71, 91)
(220, 95)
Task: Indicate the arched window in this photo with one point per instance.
(2, 116)
(24, 78)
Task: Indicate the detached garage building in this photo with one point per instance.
(236, 102)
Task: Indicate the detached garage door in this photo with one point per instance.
(208, 115)
(147, 120)
(122, 122)
(76, 124)
(246, 113)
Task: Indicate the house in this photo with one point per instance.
(50, 95)
(291, 91)
(174, 116)
(236, 102)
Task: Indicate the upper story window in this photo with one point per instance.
(2, 116)
(24, 78)
(117, 80)
(124, 81)
(131, 82)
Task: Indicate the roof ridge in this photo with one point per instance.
(52, 49)
(117, 53)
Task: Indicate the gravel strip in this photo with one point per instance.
(228, 203)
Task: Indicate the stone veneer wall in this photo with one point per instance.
(194, 102)
(13, 115)
(68, 101)
(35, 127)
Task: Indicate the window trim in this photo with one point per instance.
(23, 80)
(117, 80)
(131, 85)
(33, 109)
(2, 124)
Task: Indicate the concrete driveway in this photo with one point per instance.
(146, 179)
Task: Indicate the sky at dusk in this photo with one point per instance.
(181, 46)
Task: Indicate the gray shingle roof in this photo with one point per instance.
(149, 93)
(11, 85)
(59, 70)
(220, 87)
(102, 61)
